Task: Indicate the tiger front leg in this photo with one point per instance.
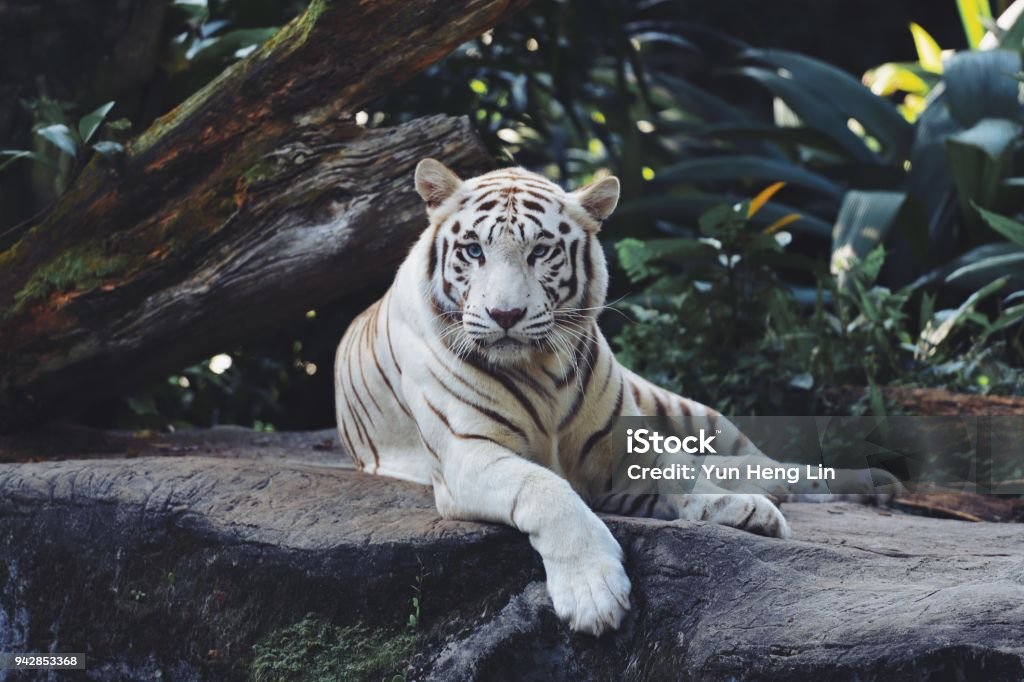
(583, 561)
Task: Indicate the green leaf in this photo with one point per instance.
(669, 39)
(61, 136)
(746, 168)
(1008, 227)
(790, 137)
(933, 334)
(865, 219)
(1010, 317)
(1009, 266)
(700, 102)
(91, 122)
(813, 109)
(929, 180)
(108, 148)
(981, 85)
(637, 257)
(687, 210)
(846, 94)
(872, 264)
(225, 46)
(1013, 19)
(979, 158)
(976, 255)
(16, 154)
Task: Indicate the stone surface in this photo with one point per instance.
(173, 556)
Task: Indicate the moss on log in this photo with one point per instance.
(259, 190)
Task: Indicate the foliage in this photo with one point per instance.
(717, 323)
(314, 650)
(205, 37)
(664, 104)
(661, 95)
(69, 142)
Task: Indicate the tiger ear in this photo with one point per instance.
(435, 182)
(599, 198)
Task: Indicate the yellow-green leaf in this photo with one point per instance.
(913, 106)
(890, 78)
(973, 13)
(763, 197)
(929, 54)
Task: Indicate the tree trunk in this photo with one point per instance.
(256, 199)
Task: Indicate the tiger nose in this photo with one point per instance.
(506, 318)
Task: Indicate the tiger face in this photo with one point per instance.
(514, 266)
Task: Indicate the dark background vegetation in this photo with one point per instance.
(561, 88)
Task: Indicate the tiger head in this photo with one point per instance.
(514, 266)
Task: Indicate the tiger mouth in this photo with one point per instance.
(506, 342)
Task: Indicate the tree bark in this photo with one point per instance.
(933, 402)
(256, 199)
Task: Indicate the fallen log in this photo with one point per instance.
(256, 199)
(930, 402)
(234, 555)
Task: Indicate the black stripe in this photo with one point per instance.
(432, 261)
(596, 437)
(746, 519)
(457, 434)
(486, 411)
(534, 384)
(387, 382)
(348, 443)
(537, 195)
(359, 358)
(355, 390)
(635, 503)
(476, 362)
(660, 406)
(588, 370)
(571, 371)
(387, 332)
(572, 281)
(426, 444)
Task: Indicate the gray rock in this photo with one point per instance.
(173, 556)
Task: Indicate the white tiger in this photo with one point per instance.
(483, 373)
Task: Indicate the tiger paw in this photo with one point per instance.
(752, 513)
(591, 594)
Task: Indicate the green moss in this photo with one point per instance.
(298, 30)
(315, 650)
(290, 37)
(75, 269)
(260, 171)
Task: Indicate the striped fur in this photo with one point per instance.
(514, 426)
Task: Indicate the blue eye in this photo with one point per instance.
(539, 251)
(474, 250)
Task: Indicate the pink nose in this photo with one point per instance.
(507, 318)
